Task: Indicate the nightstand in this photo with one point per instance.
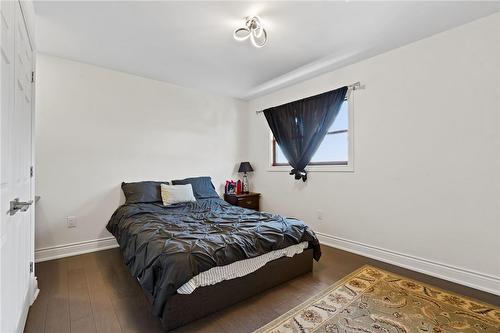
(249, 200)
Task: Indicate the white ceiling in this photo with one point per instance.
(191, 44)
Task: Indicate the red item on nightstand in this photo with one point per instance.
(238, 187)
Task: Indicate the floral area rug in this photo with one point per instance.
(372, 300)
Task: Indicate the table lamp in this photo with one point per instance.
(245, 167)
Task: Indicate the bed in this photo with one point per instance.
(168, 247)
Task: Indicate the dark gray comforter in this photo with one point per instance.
(164, 247)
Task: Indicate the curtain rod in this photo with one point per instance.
(351, 87)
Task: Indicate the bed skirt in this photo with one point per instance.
(182, 309)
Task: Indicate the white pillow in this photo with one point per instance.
(172, 194)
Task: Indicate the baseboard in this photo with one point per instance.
(458, 275)
(73, 249)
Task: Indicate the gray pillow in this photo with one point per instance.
(202, 186)
(142, 192)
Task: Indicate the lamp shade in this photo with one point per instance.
(245, 167)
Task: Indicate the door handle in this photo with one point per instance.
(16, 206)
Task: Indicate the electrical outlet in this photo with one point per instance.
(319, 214)
(71, 221)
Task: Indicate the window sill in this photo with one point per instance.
(314, 168)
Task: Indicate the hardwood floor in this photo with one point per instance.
(95, 293)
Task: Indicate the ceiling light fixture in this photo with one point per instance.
(253, 30)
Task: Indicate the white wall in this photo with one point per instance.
(426, 185)
(96, 128)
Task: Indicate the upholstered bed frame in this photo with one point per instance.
(182, 309)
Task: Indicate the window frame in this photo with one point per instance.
(334, 166)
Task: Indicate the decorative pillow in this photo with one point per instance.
(202, 186)
(172, 194)
(140, 192)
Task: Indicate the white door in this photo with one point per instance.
(16, 245)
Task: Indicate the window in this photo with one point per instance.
(333, 151)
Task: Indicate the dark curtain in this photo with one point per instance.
(299, 127)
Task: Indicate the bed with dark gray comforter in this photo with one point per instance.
(164, 247)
